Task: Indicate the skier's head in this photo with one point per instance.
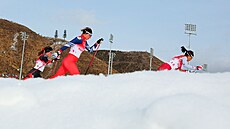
(87, 32)
(188, 53)
(47, 50)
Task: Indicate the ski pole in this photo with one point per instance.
(55, 66)
(53, 70)
(90, 63)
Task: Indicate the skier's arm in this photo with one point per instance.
(44, 59)
(186, 66)
(92, 48)
(76, 40)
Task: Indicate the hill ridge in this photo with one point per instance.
(11, 51)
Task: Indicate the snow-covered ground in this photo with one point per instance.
(140, 100)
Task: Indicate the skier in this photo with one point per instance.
(41, 62)
(181, 62)
(77, 46)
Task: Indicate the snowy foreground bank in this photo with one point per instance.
(140, 100)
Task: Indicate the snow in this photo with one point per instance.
(139, 100)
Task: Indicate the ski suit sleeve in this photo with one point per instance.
(74, 41)
(186, 66)
(92, 48)
(44, 59)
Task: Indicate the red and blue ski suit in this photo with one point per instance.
(77, 46)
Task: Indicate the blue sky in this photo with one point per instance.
(136, 25)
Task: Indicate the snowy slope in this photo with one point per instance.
(140, 100)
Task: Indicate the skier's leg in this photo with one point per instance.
(68, 65)
(165, 66)
(30, 73)
(71, 66)
(60, 72)
(72, 69)
(37, 74)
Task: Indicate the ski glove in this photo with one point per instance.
(99, 41)
(56, 55)
(199, 67)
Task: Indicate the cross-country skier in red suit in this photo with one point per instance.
(77, 46)
(41, 62)
(181, 62)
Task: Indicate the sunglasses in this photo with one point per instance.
(89, 33)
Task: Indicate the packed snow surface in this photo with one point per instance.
(139, 100)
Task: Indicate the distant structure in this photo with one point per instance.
(24, 37)
(56, 34)
(64, 35)
(151, 59)
(190, 29)
(111, 55)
